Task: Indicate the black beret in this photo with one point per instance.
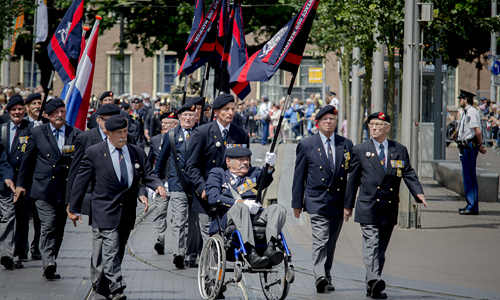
(187, 107)
(237, 152)
(380, 116)
(208, 107)
(333, 94)
(108, 110)
(195, 100)
(106, 94)
(115, 123)
(328, 109)
(54, 104)
(222, 100)
(465, 94)
(168, 115)
(32, 97)
(14, 100)
(125, 105)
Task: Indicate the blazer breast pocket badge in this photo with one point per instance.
(23, 140)
(399, 166)
(68, 149)
(347, 157)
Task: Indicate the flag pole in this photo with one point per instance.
(87, 46)
(185, 88)
(33, 47)
(273, 144)
(204, 85)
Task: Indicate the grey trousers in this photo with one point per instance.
(185, 227)
(375, 241)
(325, 232)
(53, 220)
(274, 216)
(107, 257)
(7, 225)
(160, 220)
(204, 223)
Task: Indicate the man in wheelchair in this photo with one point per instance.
(236, 189)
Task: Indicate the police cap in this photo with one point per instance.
(187, 107)
(108, 110)
(115, 123)
(169, 115)
(31, 97)
(14, 100)
(265, 98)
(465, 94)
(328, 109)
(106, 94)
(332, 94)
(380, 116)
(222, 100)
(237, 152)
(53, 105)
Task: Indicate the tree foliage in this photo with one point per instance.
(10, 10)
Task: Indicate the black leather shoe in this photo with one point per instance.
(275, 256)
(256, 261)
(7, 262)
(330, 288)
(191, 264)
(118, 296)
(321, 284)
(49, 271)
(462, 209)
(18, 264)
(160, 249)
(379, 296)
(105, 294)
(377, 287)
(179, 262)
(468, 212)
(36, 255)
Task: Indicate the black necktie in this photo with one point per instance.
(382, 156)
(56, 135)
(330, 154)
(123, 169)
(224, 135)
(15, 135)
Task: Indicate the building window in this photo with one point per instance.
(169, 68)
(27, 74)
(451, 87)
(273, 88)
(115, 74)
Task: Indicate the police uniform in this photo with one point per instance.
(185, 240)
(114, 202)
(319, 187)
(226, 187)
(377, 205)
(469, 149)
(46, 162)
(206, 152)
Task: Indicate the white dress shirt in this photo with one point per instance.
(115, 158)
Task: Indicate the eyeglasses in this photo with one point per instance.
(376, 125)
(188, 115)
(324, 120)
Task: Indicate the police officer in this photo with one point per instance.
(185, 242)
(46, 162)
(168, 121)
(208, 145)
(236, 188)
(319, 186)
(116, 167)
(106, 98)
(470, 143)
(15, 222)
(378, 165)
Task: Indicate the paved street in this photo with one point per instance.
(452, 257)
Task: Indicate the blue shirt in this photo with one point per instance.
(103, 135)
(60, 144)
(115, 158)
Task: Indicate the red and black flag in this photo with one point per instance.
(199, 15)
(222, 29)
(284, 51)
(237, 54)
(201, 45)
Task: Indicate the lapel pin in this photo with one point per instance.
(104, 154)
(373, 154)
(233, 182)
(180, 140)
(137, 166)
(217, 144)
(368, 154)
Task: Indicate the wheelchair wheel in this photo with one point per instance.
(275, 283)
(212, 268)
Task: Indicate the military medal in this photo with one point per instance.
(23, 148)
(368, 154)
(347, 157)
(248, 185)
(68, 149)
(398, 165)
(399, 173)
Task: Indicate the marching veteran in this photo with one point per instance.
(377, 167)
(236, 188)
(319, 187)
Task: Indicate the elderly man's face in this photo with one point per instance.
(238, 166)
(58, 117)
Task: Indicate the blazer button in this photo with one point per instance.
(327, 190)
(67, 167)
(389, 201)
(182, 170)
(120, 204)
(320, 167)
(391, 189)
(378, 200)
(53, 177)
(342, 166)
(66, 179)
(17, 158)
(213, 161)
(378, 187)
(338, 190)
(323, 179)
(71, 156)
(17, 169)
(48, 155)
(53, 166)
(341, 178)
(177, 158)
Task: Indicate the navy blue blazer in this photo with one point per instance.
(112, 204)
(315, 187)
(181, 145)
(16, 152)
(44, 163)
(378, 198)
(218, 189)
(204, 155)
(154, 151)
(6, 171)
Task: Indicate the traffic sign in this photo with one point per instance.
(496, 67)
(494, 56)
(496, 81)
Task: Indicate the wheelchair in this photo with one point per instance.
(227, 246)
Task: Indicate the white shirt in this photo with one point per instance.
(115, 158)
(221, 128)
(377, 146)
(60, 143)
(468, 121)
(325, 144)
(335, 102)
(186, 131)
(264, 109)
